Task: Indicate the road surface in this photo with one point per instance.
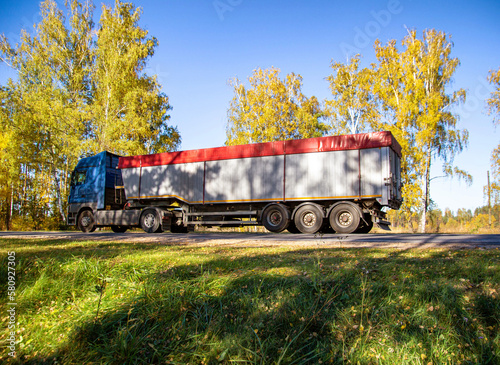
(400, 241)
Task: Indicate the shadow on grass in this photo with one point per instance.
(77, 247)
(298, 307)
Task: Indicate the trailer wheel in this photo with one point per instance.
(275, 218)
(363, 227)
(119, 229)
(292, 228)
(308, 219)
(344, 218)
(86, 221)
(150, 221)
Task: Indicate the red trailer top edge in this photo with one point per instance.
(319, 144)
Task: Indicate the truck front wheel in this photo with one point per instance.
(150, 221)
(344, 218)
(275, 218)
(86, 221)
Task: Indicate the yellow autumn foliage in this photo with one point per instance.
(272, 109)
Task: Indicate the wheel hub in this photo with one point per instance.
(86, 221)
(345, 219)
(309, 219)
(275, 218)
(149, 220)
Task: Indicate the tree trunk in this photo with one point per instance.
(489, 201)
(8, 210)
(24, 173)
(426, 192)
(11, 208)
(58, 194)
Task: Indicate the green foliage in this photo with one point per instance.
(78, 91)
(272, 109)
(105, 302)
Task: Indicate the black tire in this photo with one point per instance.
(308, 219)
(275, 218)
(86, 221)
(150, 221)
(292, 228)
(344, 218)
(119, 229)
(365, 227)
(175, 228)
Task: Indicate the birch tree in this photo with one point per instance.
(77, 91)
(412, 85)
(353, 107)
(7, 170)
(48, 97)
(493, 101)
(272, 109)
(129, 112)
(493, 104)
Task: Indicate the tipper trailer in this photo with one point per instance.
(329, 184)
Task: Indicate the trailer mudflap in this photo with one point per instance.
(383, 224)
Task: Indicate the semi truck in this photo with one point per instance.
(328, 184)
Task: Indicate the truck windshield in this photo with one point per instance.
(78, 177)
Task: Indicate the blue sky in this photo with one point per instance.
(204, 43)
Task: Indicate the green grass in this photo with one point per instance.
(124, 303)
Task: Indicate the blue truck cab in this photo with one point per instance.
(96, 185)
(97, 199)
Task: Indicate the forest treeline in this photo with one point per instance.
(81, 88)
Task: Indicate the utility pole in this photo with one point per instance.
(489, 200)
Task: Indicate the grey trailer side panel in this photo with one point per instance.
(131, 178)
(372, 180)
(183, 181)
(391, 178)
(396, 175)
(322, 175)
(386, 173)
(244, 180)
(346, 174)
